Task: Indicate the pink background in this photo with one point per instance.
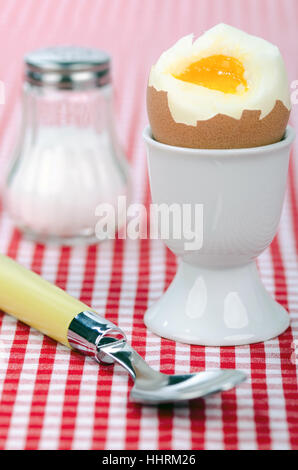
(50, 398)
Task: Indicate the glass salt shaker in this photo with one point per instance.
(68, 160)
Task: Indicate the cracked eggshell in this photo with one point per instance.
(218, 132)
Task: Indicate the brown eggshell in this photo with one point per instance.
(219, 132)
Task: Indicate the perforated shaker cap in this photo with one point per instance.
(68, 67)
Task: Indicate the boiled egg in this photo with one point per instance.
(227, 89)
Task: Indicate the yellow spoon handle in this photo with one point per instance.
(36, 302)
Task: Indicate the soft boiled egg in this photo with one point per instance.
(227, 89)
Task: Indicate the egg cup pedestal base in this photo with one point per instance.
(217, 307)
(217, 297)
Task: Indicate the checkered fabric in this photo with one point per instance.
(51, 398)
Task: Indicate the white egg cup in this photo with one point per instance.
(217, 297)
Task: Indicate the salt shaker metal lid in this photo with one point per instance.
(68, 67)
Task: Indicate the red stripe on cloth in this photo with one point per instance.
(167, 365)
(260, 396)
(288, 369)
(15, 362)
(229, 402)
(16, 357)
(134, 412)
(45, 366)
(76, 363)
(38, 255)
(63, 267)
(197, 408)
(14, 244)
(11, 381)
(105, 373)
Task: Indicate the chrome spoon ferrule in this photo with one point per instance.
(87, 333)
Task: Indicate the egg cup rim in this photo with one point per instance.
(287, 140)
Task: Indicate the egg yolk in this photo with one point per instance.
(217, 72)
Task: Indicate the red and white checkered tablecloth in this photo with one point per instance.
(51, 398)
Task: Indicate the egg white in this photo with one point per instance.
(265, 74)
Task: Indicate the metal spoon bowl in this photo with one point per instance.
(152, 387)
